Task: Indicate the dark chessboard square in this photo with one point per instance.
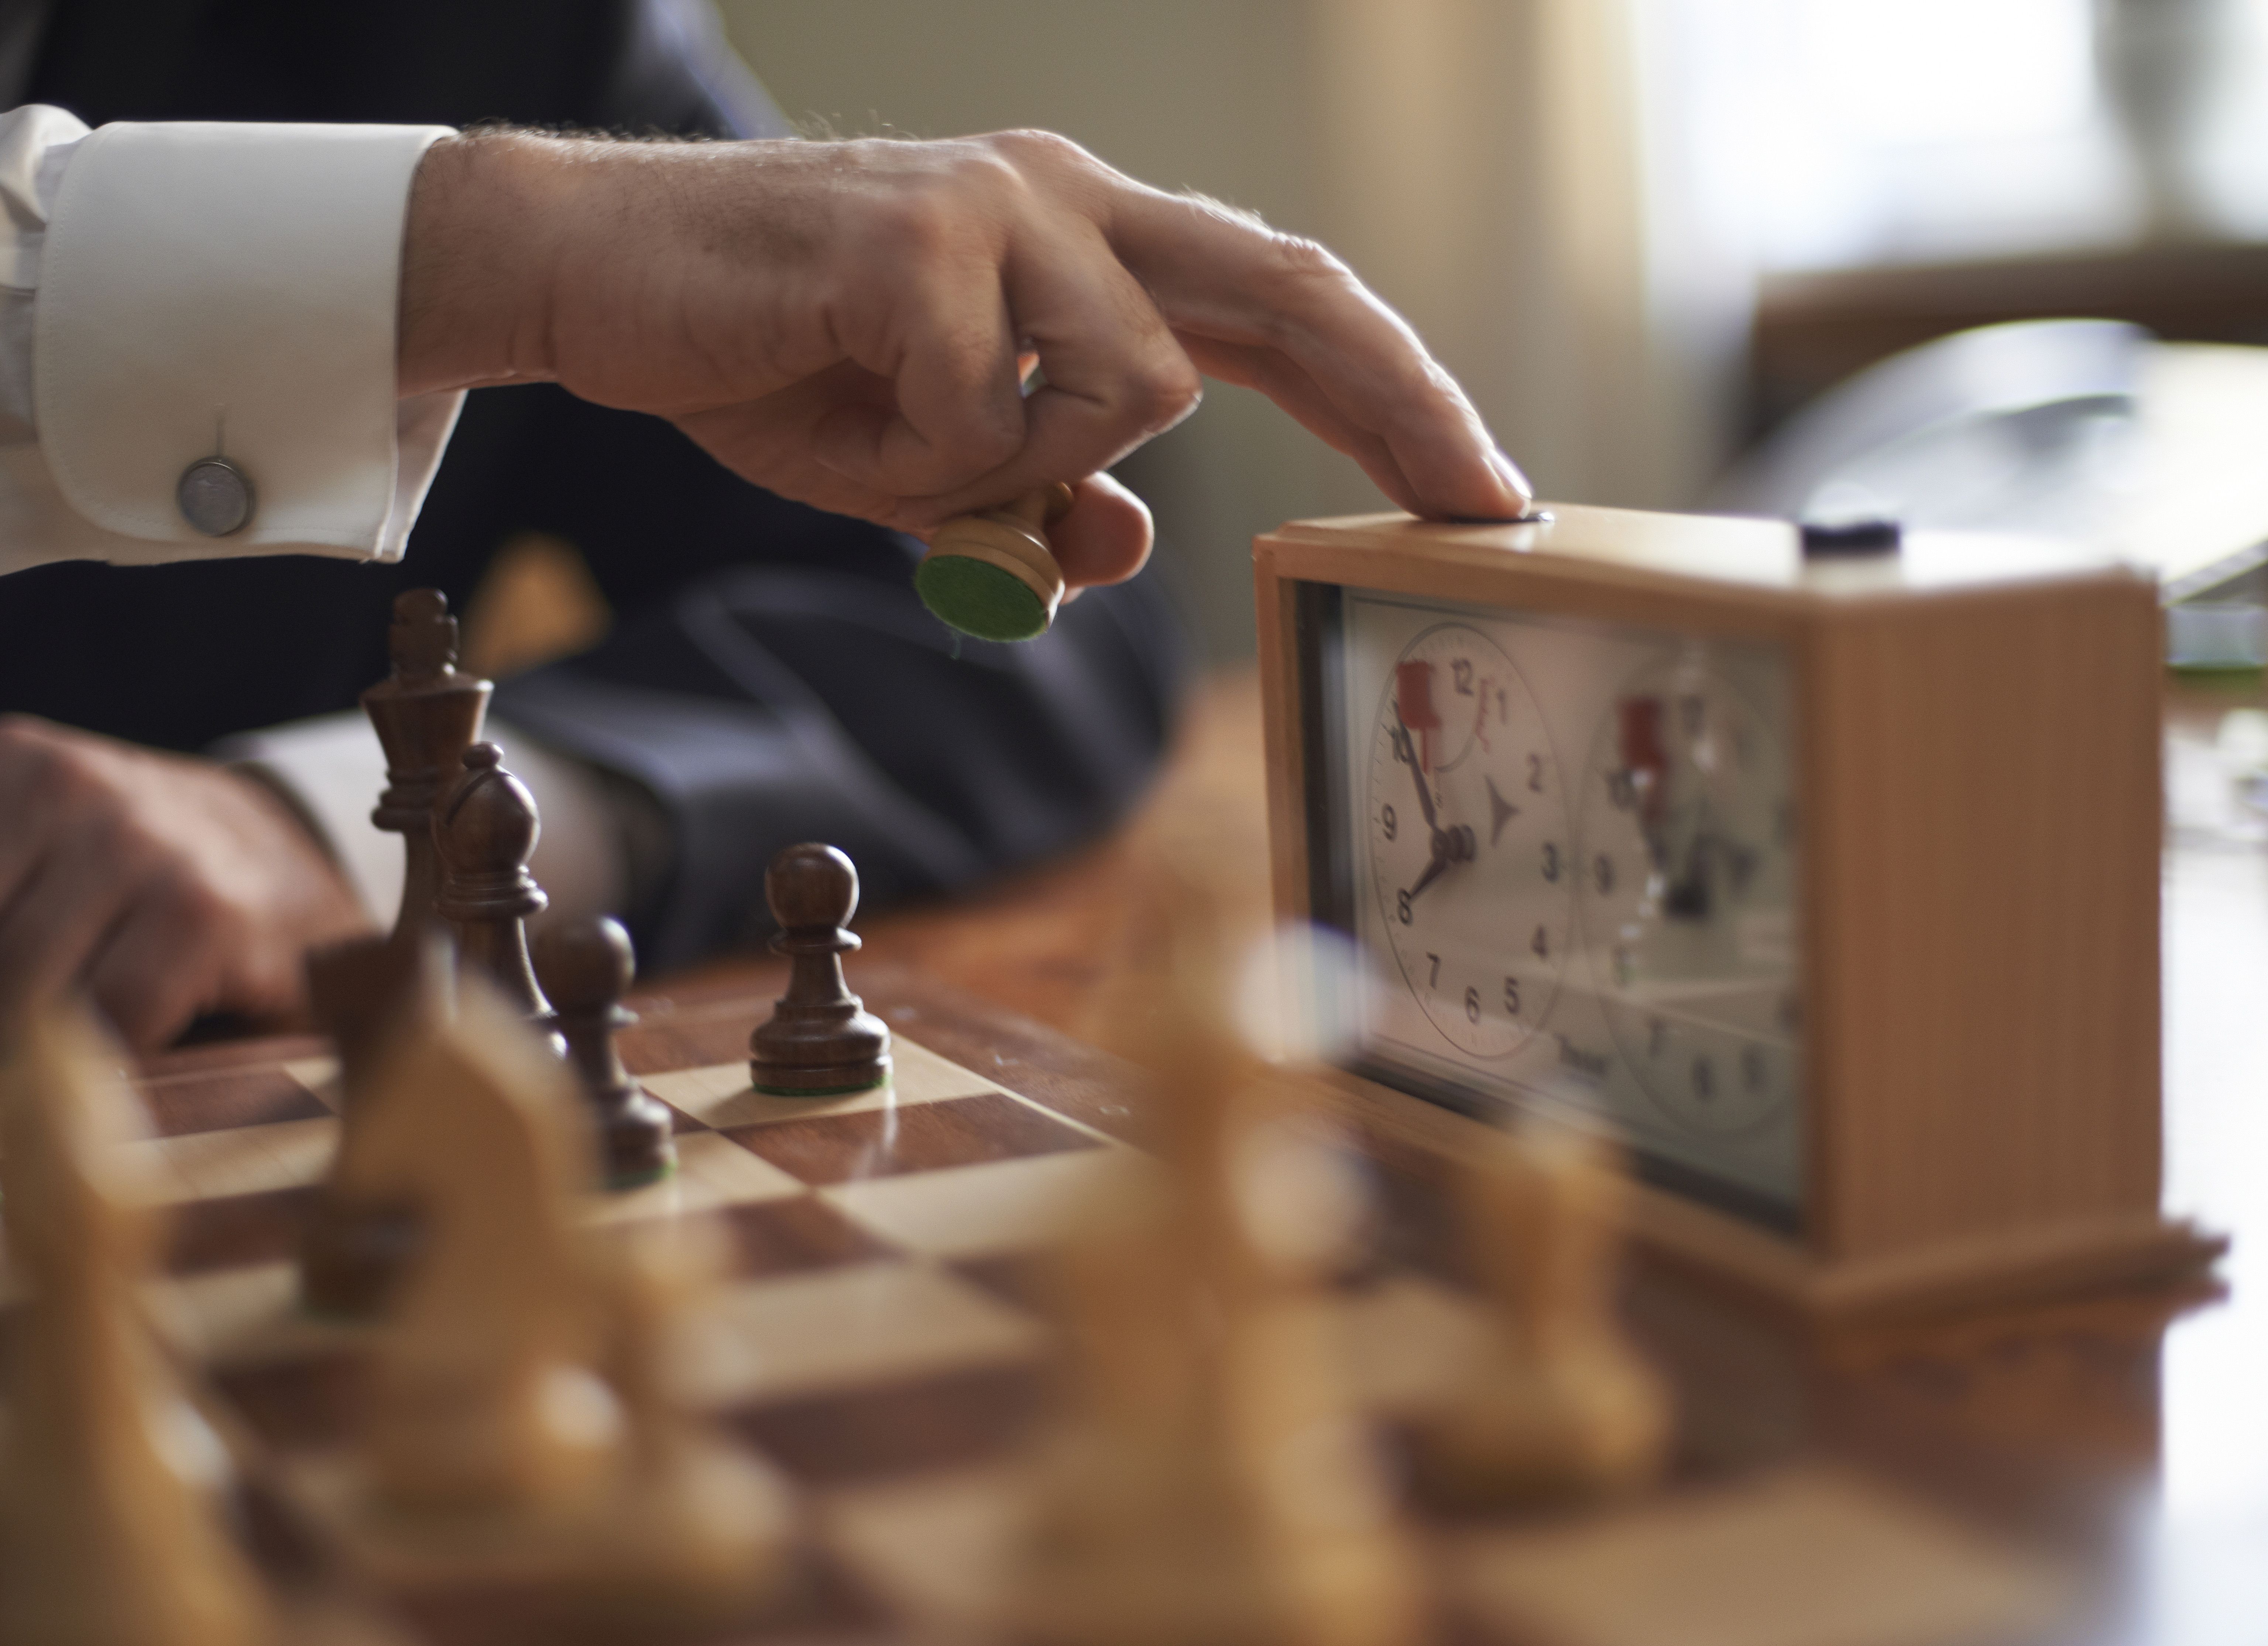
(1023, 1278)
(941, 1422)
(910, 1137)
(793, 1235)
(664, 1047)
(225, 1101)
(238, 1230)
(299, 1405)
(823, 1603)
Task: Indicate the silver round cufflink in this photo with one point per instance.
(214, 495)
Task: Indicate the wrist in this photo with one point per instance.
(478, 252)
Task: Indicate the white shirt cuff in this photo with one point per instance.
(210, 289)
(333, 766)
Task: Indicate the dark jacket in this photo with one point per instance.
(771, 676)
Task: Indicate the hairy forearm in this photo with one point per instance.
(479, 254)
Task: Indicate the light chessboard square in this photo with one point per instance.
(982, 1211)
(849, 1326)
(720, 1095)
(247, 1160)
(1806, 1556)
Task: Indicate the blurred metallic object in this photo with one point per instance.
(2161, 65)
(2084, 429)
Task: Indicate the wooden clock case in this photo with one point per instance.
(1977, 740)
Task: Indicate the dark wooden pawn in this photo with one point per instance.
(485, 827)
(820, 1041)
(586, 967)
(362, 993)
(427, 715)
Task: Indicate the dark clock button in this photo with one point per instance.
(1826, 539)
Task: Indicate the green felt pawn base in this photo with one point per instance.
(980, 598)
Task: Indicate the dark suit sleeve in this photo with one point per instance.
(772, 677)
(769, 705)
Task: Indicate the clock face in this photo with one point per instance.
(1469, 841)
(1687, 886)
(1616, 934)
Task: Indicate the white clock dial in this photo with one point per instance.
(1686, 880)
(1469, 850)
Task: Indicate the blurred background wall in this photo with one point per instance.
(1639, 231)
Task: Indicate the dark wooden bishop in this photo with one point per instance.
(586, 967)
(820, 1040)
(427, 715)
(484, 828)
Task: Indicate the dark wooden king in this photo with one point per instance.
(427, 714)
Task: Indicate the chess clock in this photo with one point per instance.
(1827, 883)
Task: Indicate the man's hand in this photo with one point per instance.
(164, 887)
(847, 323)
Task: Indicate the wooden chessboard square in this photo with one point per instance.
(685, 1040)
(940, 1546)
(252, 1160)
(920, 1075)
(793, 1235)
(981, 1211)
(1805, 1556)
(719, 1095)
(238, 1229)
(824, 1605)
(1021, 1278)
(712, 1172)
(1407, 1342)
(915, 1138)
(304, 1404)
(900, 1430)
(319, 1074)
(227, 1100)
(249, 1316)
(849, 1326)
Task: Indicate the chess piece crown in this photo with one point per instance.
(426, 714)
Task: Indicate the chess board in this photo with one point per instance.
(887, 1348)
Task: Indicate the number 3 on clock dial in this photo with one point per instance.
(1469, 857)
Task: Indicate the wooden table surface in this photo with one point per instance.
(2141, 1416)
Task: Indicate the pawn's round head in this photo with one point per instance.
(810, 885)
(585, 965)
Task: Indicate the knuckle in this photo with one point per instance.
(1298, 258)
(919, 224)
(1164, 392)
(979, 443)
(1029, 148)
(199, 905)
